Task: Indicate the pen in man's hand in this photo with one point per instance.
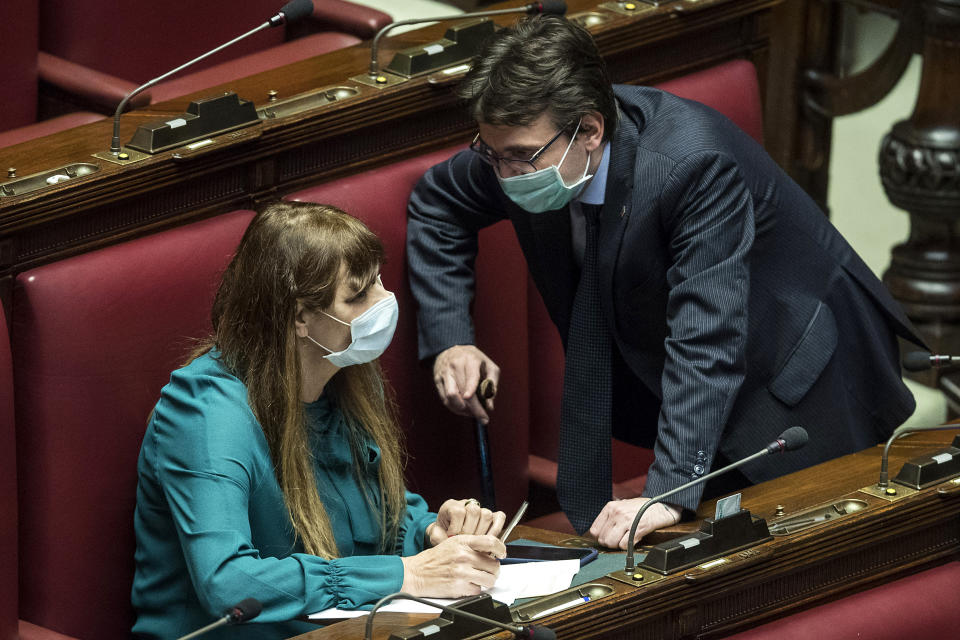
(513, 522)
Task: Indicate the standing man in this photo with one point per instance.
(704, 302)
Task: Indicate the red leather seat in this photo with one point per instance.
(8, 491)
(96, 54)
(47, 127)
(924, 605)
(18, 83)
(732, 89)
(96, 338)
(442, 445)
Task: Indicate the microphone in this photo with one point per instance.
(923, 360)
(246, 609)
(290, 12)
(531, 632)
(546, 7)
(790, 440)
(898, 433)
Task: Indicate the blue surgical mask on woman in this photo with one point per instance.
(370, 334)
(544, 189)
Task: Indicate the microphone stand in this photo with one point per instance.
(115, 141)
(525, 632)
(374, 46)
(898, 433)
(289, 12)
(630, 566)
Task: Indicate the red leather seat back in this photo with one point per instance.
(730, 88)
(8, 491)
(443, 446)
(96, 337)
(18, 83)
(139, 40)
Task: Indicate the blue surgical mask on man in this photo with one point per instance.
(544, 189)
(370, 334)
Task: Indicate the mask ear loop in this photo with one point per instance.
(570, 144)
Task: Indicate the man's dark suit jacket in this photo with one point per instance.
(736, 306)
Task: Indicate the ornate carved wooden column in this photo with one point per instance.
(920, 169)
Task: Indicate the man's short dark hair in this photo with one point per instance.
(541, 64)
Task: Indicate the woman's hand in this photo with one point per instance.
(457, 567)
(464, 516)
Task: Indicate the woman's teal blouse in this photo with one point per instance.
(211, 524)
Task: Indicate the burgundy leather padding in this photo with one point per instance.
(924, 605)
(33, 632)
(18, 82)
(48, 128)
(730, 88)
(91, 85)
(8, 491)
(286, 53)
(140, 39)
(95, 337)
(444, 462)
(361, 21)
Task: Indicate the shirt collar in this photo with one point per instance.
(594, 192)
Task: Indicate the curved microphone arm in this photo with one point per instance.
(636, 520)
(115, 141)
(533, 632)
(898, 433)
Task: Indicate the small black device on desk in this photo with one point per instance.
(517, 553)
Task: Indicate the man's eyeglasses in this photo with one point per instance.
(510, 166)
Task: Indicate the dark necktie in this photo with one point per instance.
(583, 473)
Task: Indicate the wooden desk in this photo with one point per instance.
(273, 157)
(885, 541)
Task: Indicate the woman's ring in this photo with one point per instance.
(471, 501)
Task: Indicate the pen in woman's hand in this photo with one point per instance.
(513, 522)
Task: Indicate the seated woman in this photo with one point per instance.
(272, 466)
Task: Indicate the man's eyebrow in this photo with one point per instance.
(520, 149)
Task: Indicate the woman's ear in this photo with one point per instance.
(591, 128)
(300, 321)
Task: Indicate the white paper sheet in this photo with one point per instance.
(523, 580)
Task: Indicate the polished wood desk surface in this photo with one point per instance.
(884, 541)
(277, 156)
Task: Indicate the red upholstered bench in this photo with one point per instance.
(442, 444)
(732, 89)
(924, 605)
(94, 339)
(18, 84)
(96, 53)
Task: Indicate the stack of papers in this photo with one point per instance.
(523, 580)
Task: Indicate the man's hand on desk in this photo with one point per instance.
(458, 566)
(612, 526)
(456, 373)
(464, 517)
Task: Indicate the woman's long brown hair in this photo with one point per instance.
(295, 252)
